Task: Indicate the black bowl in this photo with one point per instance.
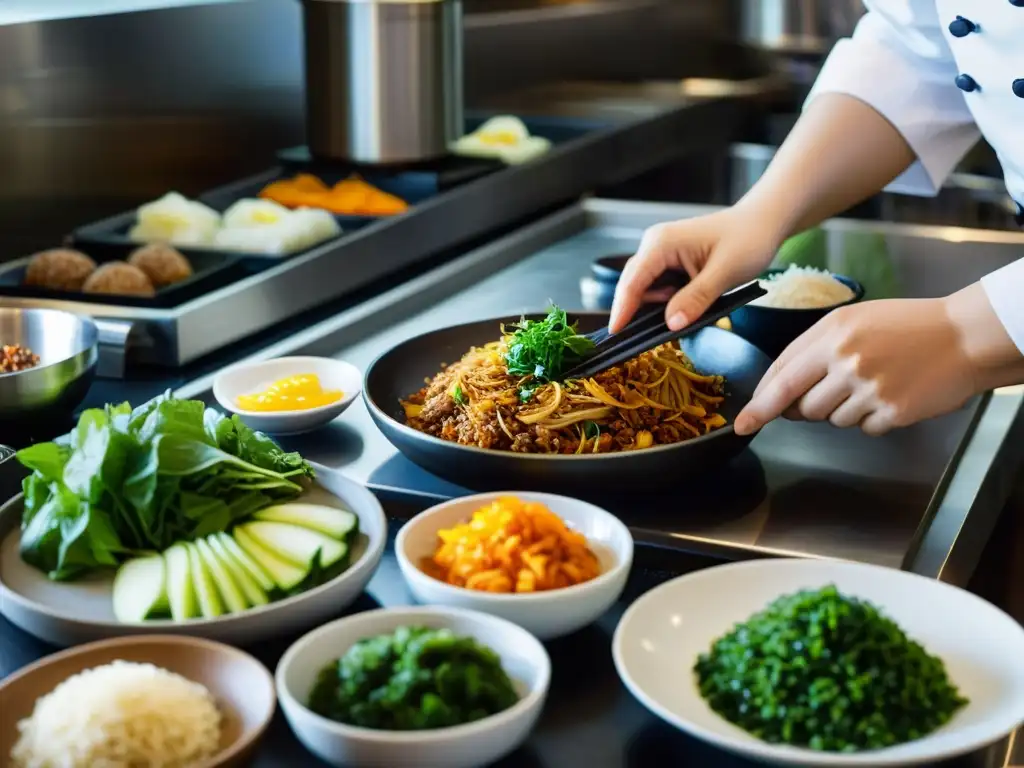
(772, 329)
(398, 373)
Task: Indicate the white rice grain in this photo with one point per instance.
(803, 288)
(120, 715)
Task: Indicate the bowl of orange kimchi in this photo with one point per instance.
(550, 564)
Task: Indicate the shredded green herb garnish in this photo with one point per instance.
(459, 396)
(541, 350)
(817, 669)
(413, 679)
(527, 388)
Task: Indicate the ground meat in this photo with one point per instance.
(438, 408)
(668, 433)
(648, 417)
(625, 437)
(474, 421)
(546, 439)
(523, 443)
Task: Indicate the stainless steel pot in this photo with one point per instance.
(383, 79)
(799, 27)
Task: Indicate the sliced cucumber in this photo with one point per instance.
(254, 594)
(181, 594)
(254, 569)
(334, 522)
(210, 605)
(296, 544)
(286, 575)
(140, 589)
(230, 593)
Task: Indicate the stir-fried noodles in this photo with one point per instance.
(656, 398)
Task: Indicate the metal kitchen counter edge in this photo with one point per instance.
(968, 500)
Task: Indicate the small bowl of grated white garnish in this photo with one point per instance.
(137, 702)
(797, 298)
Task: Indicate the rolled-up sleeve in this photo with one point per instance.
(899, 63)
(1005, 290)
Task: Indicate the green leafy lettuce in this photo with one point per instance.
(542, 350)
(125, 481)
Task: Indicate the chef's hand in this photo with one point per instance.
(886, 364)
(840, 152)
(718, 251)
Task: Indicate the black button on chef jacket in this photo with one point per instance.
(966, 83)
(961, 27)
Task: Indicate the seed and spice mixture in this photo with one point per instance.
(14, 357)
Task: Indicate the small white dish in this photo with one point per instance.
(463, 746)
(661, 635)
(547, 614)
(67, 613)
(252, 378)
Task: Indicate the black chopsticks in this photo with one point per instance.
(648, 330)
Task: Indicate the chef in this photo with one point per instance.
(896, 106)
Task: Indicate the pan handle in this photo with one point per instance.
(114, 339)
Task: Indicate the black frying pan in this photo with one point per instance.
(398, 373)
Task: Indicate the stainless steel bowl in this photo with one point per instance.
(67, 346)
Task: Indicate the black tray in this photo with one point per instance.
(113, 231)
(413, 182)
(557, 130)
(416, 182)
(210, 271)
(224, 197)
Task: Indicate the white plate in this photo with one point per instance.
(72, 612)
(463, 746)
(659, 638)
(546, 614)
(252, 378)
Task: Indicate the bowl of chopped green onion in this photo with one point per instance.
(805, 662)
(410, 687)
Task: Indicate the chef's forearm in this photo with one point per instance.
(994, 357)
(840, 152)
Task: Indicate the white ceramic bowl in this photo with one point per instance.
(660, 636)
(546, 614)
(251, 378)
(462, 746)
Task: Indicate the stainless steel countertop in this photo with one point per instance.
(923, 498)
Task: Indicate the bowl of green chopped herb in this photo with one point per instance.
(805, 662)
(405, 687)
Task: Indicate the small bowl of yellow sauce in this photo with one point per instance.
(288, 395)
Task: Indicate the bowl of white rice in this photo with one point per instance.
(796, 299)
(139, 702)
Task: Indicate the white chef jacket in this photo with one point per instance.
(943, 72)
